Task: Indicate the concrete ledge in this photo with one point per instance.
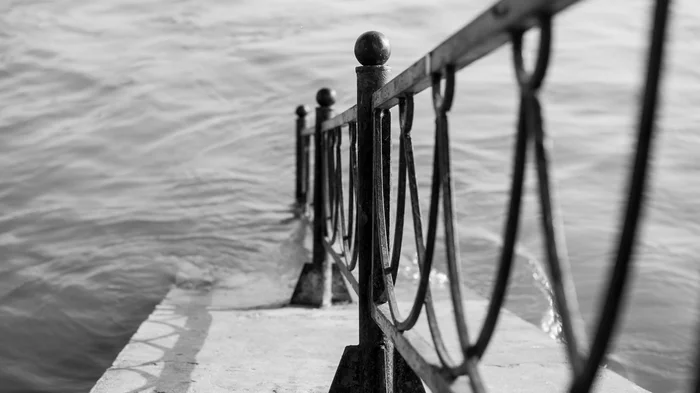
(193, 349)
(521, 358)
(188, 346)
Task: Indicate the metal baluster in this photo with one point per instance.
(442, 103)
(621, 269)
(372, 51)
(301, 158)
(565, 301)
(500, 286)
(352, 187)
(314, 287)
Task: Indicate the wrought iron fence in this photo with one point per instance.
(351, 206)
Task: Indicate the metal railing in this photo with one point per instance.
(352, 226)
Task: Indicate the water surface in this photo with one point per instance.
(146, 143)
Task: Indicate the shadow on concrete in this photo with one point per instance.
(168, 342)
(163, 354)
(180, 360)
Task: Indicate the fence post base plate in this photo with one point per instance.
(348, 374)
(309, 288)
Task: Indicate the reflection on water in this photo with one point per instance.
(150, 143)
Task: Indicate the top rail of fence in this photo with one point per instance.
(340, 120)
(483, 35)
(308, 131)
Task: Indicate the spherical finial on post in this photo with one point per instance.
(372, 48)
(325, 97)
(302, 111)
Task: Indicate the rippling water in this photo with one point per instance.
(146, 143)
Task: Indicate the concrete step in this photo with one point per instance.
(189, 346)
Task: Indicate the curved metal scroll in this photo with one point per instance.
(620, 270)
(342, 223)
(530, 130)
(425, 255)
(341, 231)
(552, 226)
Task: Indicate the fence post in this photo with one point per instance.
(320, 283)
(373, 365)
(325, 99)
(302, 154)
(372, 50)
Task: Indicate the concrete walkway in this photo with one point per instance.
(188, 346)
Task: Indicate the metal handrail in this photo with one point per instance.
(352, 213)
(345, 118)
(486, 33)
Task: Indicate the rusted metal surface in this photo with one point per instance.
(357, 230)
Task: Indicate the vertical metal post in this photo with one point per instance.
(306, 147)
(325, 98)
(373, 365)
(386, 165)
(320, 283)
(302, 158)
(372, 50)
